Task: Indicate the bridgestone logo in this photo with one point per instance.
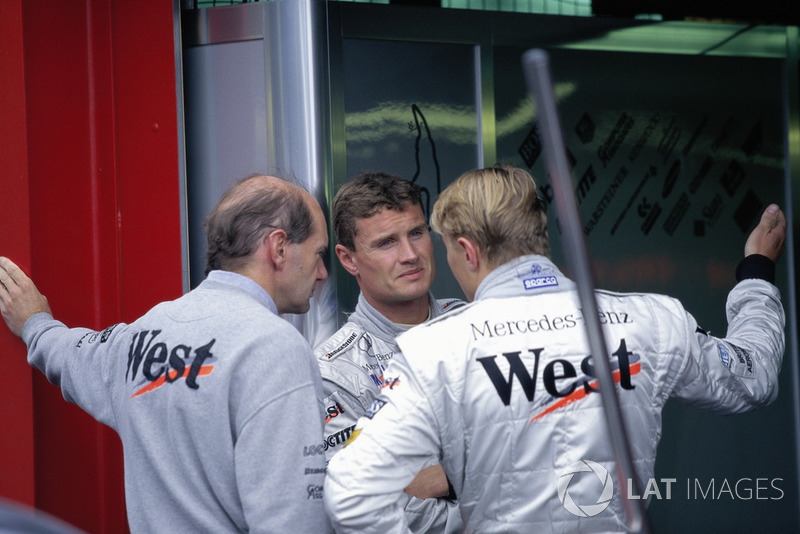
(343, 346)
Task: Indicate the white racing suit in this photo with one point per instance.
(352, 364)
(504, 390)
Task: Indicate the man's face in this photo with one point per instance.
(305, 266)
(393, 256)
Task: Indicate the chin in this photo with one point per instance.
(413, 295)
(300, 309)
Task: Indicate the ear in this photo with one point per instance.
(345, 256)
(275, 245)
(470, 252)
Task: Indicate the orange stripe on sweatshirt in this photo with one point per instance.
(160, 381)
(581, 393)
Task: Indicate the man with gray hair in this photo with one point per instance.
(216, 399)
(504, 388)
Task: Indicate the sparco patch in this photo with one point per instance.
(538, 277)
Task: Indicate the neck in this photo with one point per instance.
(266, 283)
(406, 312)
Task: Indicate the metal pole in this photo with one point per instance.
(537, 74)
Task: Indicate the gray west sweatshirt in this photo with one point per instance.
(217, 401)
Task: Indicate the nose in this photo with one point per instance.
(408, 252)
(322, 272)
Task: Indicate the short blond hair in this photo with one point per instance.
(498, 209)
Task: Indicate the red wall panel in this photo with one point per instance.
(16, 399)
(91, 209)
(147, 119)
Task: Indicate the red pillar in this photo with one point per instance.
(16, 387)
(90, 202)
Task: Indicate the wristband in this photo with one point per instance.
(756, 266)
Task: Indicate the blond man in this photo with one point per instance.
(504, 388)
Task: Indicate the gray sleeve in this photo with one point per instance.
(82, 362)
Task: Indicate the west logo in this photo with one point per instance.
(555, 371)
(390, 382)
(161, 364)
(332, 411)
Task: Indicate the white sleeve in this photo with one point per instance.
(392, 442)
(433, 515)
(737, 373)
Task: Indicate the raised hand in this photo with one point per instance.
(19, 297)
(769, 236)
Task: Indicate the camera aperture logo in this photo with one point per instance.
(585, 468)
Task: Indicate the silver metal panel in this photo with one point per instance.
(227, 121)
(184, 215)
(224, 24)
(296, 91)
